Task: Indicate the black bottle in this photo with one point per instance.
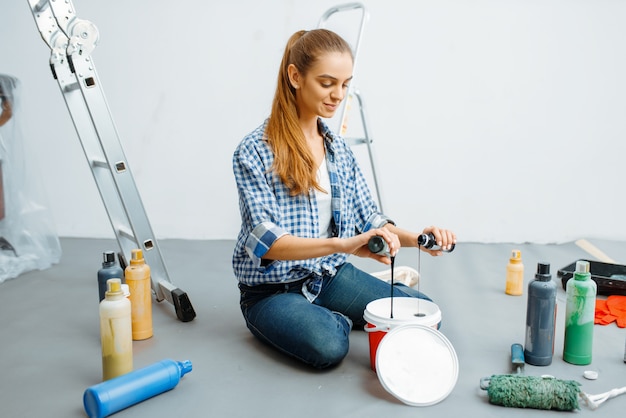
(428, 241)
(378, 245)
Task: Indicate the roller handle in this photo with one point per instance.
(517, 363)
(517, 358)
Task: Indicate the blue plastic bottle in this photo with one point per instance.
(113, 395)
(110, 270)
(540, 318)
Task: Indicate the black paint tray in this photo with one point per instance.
(601, 274)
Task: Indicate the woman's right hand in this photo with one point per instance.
(358, 245)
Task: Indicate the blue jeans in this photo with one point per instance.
(315, 333)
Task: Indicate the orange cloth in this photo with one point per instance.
(611, 309)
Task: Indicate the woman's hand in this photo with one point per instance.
(358, 245)
(443, 237)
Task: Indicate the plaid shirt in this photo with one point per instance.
(268, 212)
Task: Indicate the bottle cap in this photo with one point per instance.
(516, 256)
(136, 256)
(425, 240)
(582, 266)
(114, 287)
(543, 271)
(185, 367)
(108, 257)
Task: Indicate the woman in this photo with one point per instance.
(305, 207)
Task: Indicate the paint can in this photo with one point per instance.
(405, 309)
(414, 362)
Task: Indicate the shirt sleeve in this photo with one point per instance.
(260, 211)
(261, 239)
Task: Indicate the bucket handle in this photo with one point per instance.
(376, 328)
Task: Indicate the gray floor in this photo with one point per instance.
(50, 352)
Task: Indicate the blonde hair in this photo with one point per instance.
(293, 161)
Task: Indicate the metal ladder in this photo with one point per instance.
(366, 139)
(71, 41)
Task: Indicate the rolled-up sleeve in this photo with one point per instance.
(260, 240)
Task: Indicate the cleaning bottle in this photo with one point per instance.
(138, 279)
(540, 318)
(109, 397)
(579, 315)
(115, 332)
(428, 241)
(110, 269)
(515, 274)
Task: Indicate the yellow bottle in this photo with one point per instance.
(515, 274)
(115, 332)
(138, 279)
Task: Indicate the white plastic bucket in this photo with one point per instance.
(405, 311)
(413, 360)
(417, 364)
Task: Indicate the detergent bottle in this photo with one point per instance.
(138, 279)
(579, 315)
(115, 331)
(540, 318)
(110, 269)
(515, 274)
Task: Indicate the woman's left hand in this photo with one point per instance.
(444, 238)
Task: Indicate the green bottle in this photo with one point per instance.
(579, 316)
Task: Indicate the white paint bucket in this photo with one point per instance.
(413, 360)
(405, 309)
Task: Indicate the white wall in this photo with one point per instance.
(501, 119)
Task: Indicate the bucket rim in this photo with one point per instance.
(386, 321)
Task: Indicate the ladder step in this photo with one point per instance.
(71, 87)
(99, 163)
(126, 233)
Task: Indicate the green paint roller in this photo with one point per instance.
(538, 392)
(518, 391)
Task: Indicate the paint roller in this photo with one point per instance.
(538, 392)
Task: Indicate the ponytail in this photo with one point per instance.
(293, 161)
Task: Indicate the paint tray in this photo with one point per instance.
(610, 278)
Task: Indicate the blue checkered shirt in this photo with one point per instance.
(268, 212)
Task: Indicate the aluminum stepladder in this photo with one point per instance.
(71, 41)
(366, 139)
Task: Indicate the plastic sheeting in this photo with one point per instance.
(28, 239)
